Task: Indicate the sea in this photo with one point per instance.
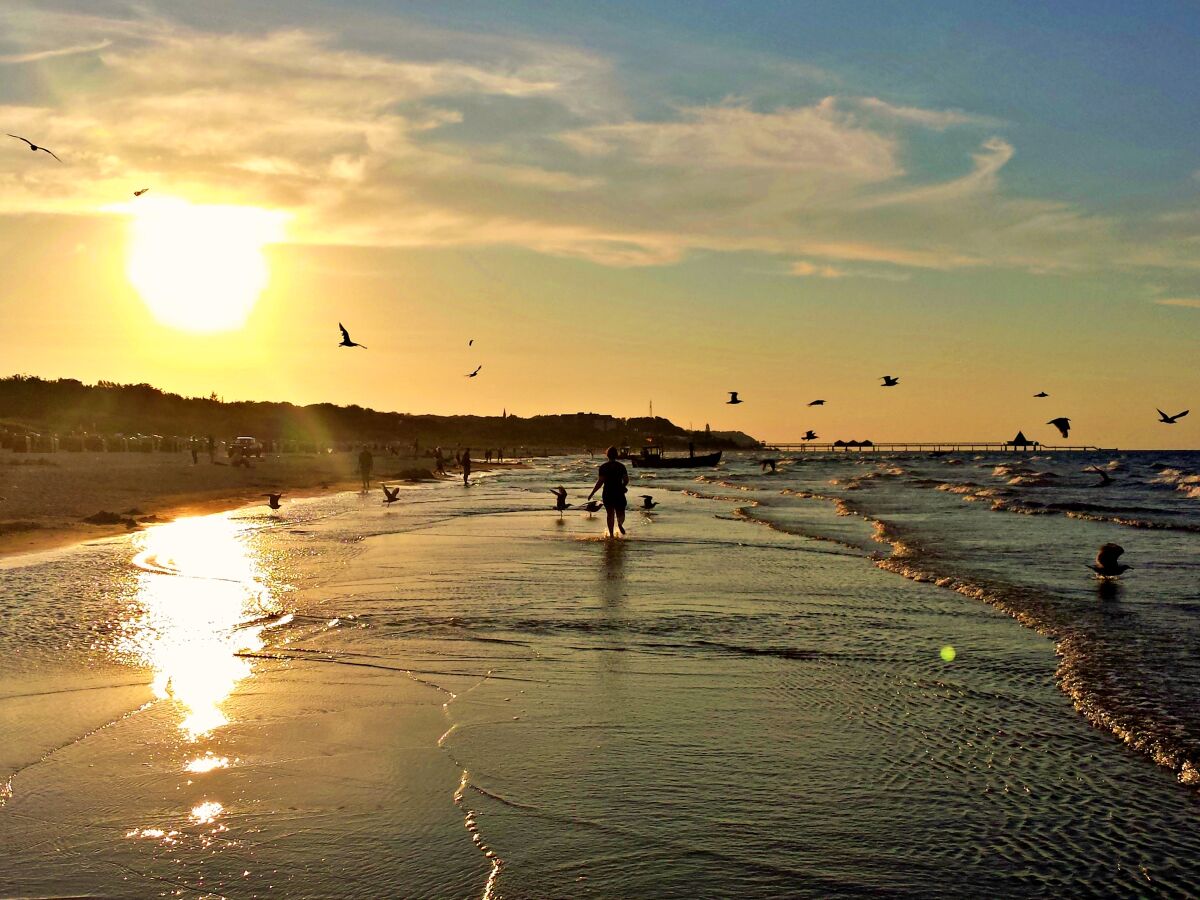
(858, 674)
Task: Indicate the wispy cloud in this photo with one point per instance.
(39, 55)
(1189, 302)
(935, 119)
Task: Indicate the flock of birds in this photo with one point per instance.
(1106, 565)
(1062, 423)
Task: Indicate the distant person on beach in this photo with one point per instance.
(366, 462)
(439, 461)
(614, 478)
(212, 449)
(195, 452)
(466, 464)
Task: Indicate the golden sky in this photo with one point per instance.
(665, 210)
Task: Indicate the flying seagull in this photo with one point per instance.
(1106, 561)
(346, 342)
(139, 193)
(648, 502)
(34, 147)
(390, 496)
(817, 403)
(273, 500)
(470, 342)
(889, 381)
(473, 374)
(733, 398)
(1063, 424)
(560, 501)
(810, 435)
(1105, 480)
(1170, 420)
(1041, 394)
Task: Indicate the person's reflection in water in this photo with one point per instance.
(612, 585)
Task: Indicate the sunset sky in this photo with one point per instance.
(619, 203)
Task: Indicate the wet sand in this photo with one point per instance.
(344, 699)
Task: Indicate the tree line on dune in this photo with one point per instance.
(68, 406)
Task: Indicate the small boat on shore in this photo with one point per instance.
(652, 458)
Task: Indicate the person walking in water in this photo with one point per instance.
(614, 478)
(366, 462)
(466, 466)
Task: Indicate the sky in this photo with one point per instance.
(618, 203)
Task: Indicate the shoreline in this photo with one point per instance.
(39, 523)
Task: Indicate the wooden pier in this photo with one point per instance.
(937, 447)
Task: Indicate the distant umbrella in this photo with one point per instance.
(1063, 424)
(889, 381)
(733, 398)
(816, 402)
(1106, 565)
(390, 495)
(1041, 394)
(346, 342)
(1170, 420)
(34, 147)
(273, 502)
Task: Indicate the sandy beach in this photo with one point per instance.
(44, 498)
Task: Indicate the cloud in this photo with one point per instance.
(1189, 302)
(806, 269)
(39, 55)
(425, 138)
(935, 119)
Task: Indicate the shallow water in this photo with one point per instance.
(469, 696)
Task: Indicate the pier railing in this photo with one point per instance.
(936, 447)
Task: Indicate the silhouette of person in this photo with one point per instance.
(439, 461)
(212, 449)
(466, 464)
(365, 463)
(195, 452)
(614, 478)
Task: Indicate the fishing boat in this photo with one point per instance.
(652, 458)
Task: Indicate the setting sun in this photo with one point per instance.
(200, 268)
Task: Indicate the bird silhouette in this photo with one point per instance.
(889, 381)
(1170, 420)
(733, 398)
(816, 403)
(810, 435)
(593, 506)
(1041, 394)
(1063, 424)
(139, 193)
(34, 147)
(1106, 565)
(560, 502)
(768, 464)
(273, 502)
(470, 342)
(648, 502)
(391, 495)
(473, 374)
(1105, 480)
(346, 342)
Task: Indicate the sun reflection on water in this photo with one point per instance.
(202, 599)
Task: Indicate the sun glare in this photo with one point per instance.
(200, 268)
